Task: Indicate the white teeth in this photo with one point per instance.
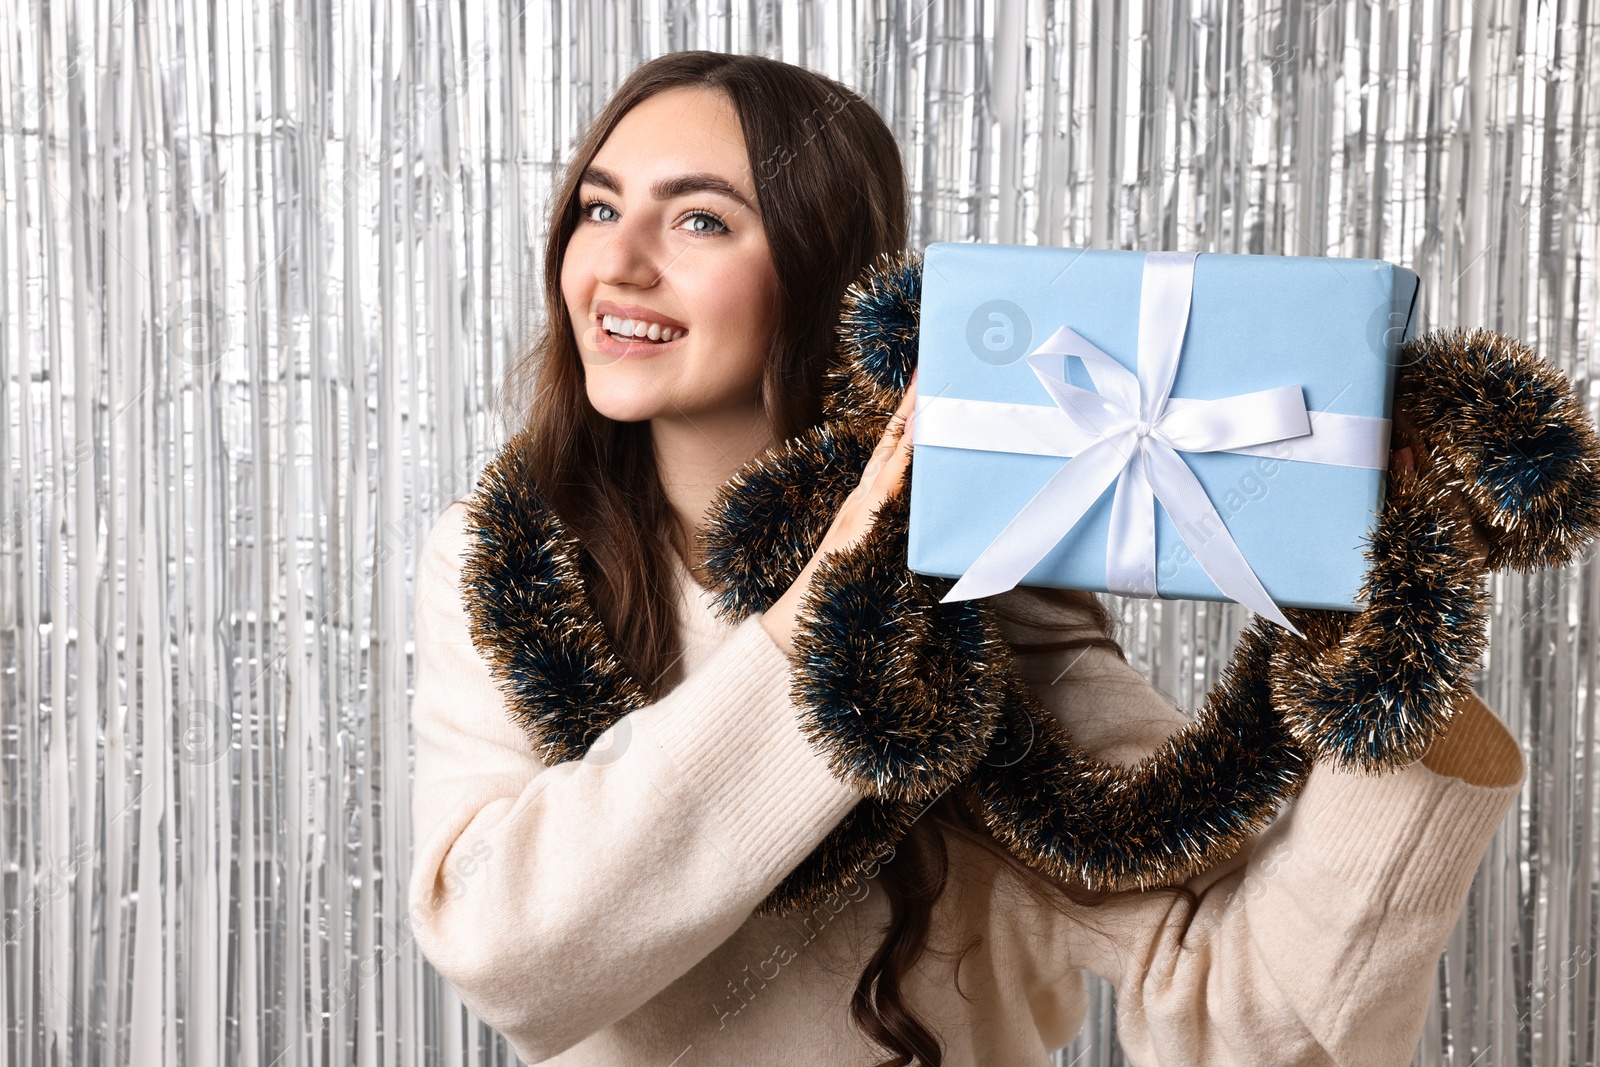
(640, 328)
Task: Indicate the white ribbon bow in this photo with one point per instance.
(1134, 438)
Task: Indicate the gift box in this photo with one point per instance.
(1200, 426)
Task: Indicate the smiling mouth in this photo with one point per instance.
(623, 335)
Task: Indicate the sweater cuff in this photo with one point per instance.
(1476, 747)
(732, 731)
(1414, 836)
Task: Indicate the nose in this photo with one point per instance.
(630, 254)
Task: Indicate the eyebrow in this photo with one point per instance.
(667, 188)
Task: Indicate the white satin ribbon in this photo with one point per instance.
(998, 426)
(1130, 431)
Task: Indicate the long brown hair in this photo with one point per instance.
(831, 188)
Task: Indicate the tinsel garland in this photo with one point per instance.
(907, 697)
(530, 615)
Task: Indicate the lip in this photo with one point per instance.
(609, 346)
(635, 311)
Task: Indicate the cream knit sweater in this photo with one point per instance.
(600, 911)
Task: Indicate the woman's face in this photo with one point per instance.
(669, 242)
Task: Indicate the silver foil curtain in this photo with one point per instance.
(262, 266)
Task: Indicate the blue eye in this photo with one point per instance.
(714, 223)
(708, 216)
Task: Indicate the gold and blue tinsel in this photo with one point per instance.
(908, 697)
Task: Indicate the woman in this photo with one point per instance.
(599, 911)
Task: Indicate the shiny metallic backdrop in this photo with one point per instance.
(261, 269)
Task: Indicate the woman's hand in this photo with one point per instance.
(1406, 453)
(880, 481)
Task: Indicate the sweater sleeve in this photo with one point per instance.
(558, 899)
(1318, 943)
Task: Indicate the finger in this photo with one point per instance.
(893, 437)
(892, 478)
(894, 429)
(880, 454)
(908, 402)
(902, 414)
(892, 475)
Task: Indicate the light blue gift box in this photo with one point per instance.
(1331, 326)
